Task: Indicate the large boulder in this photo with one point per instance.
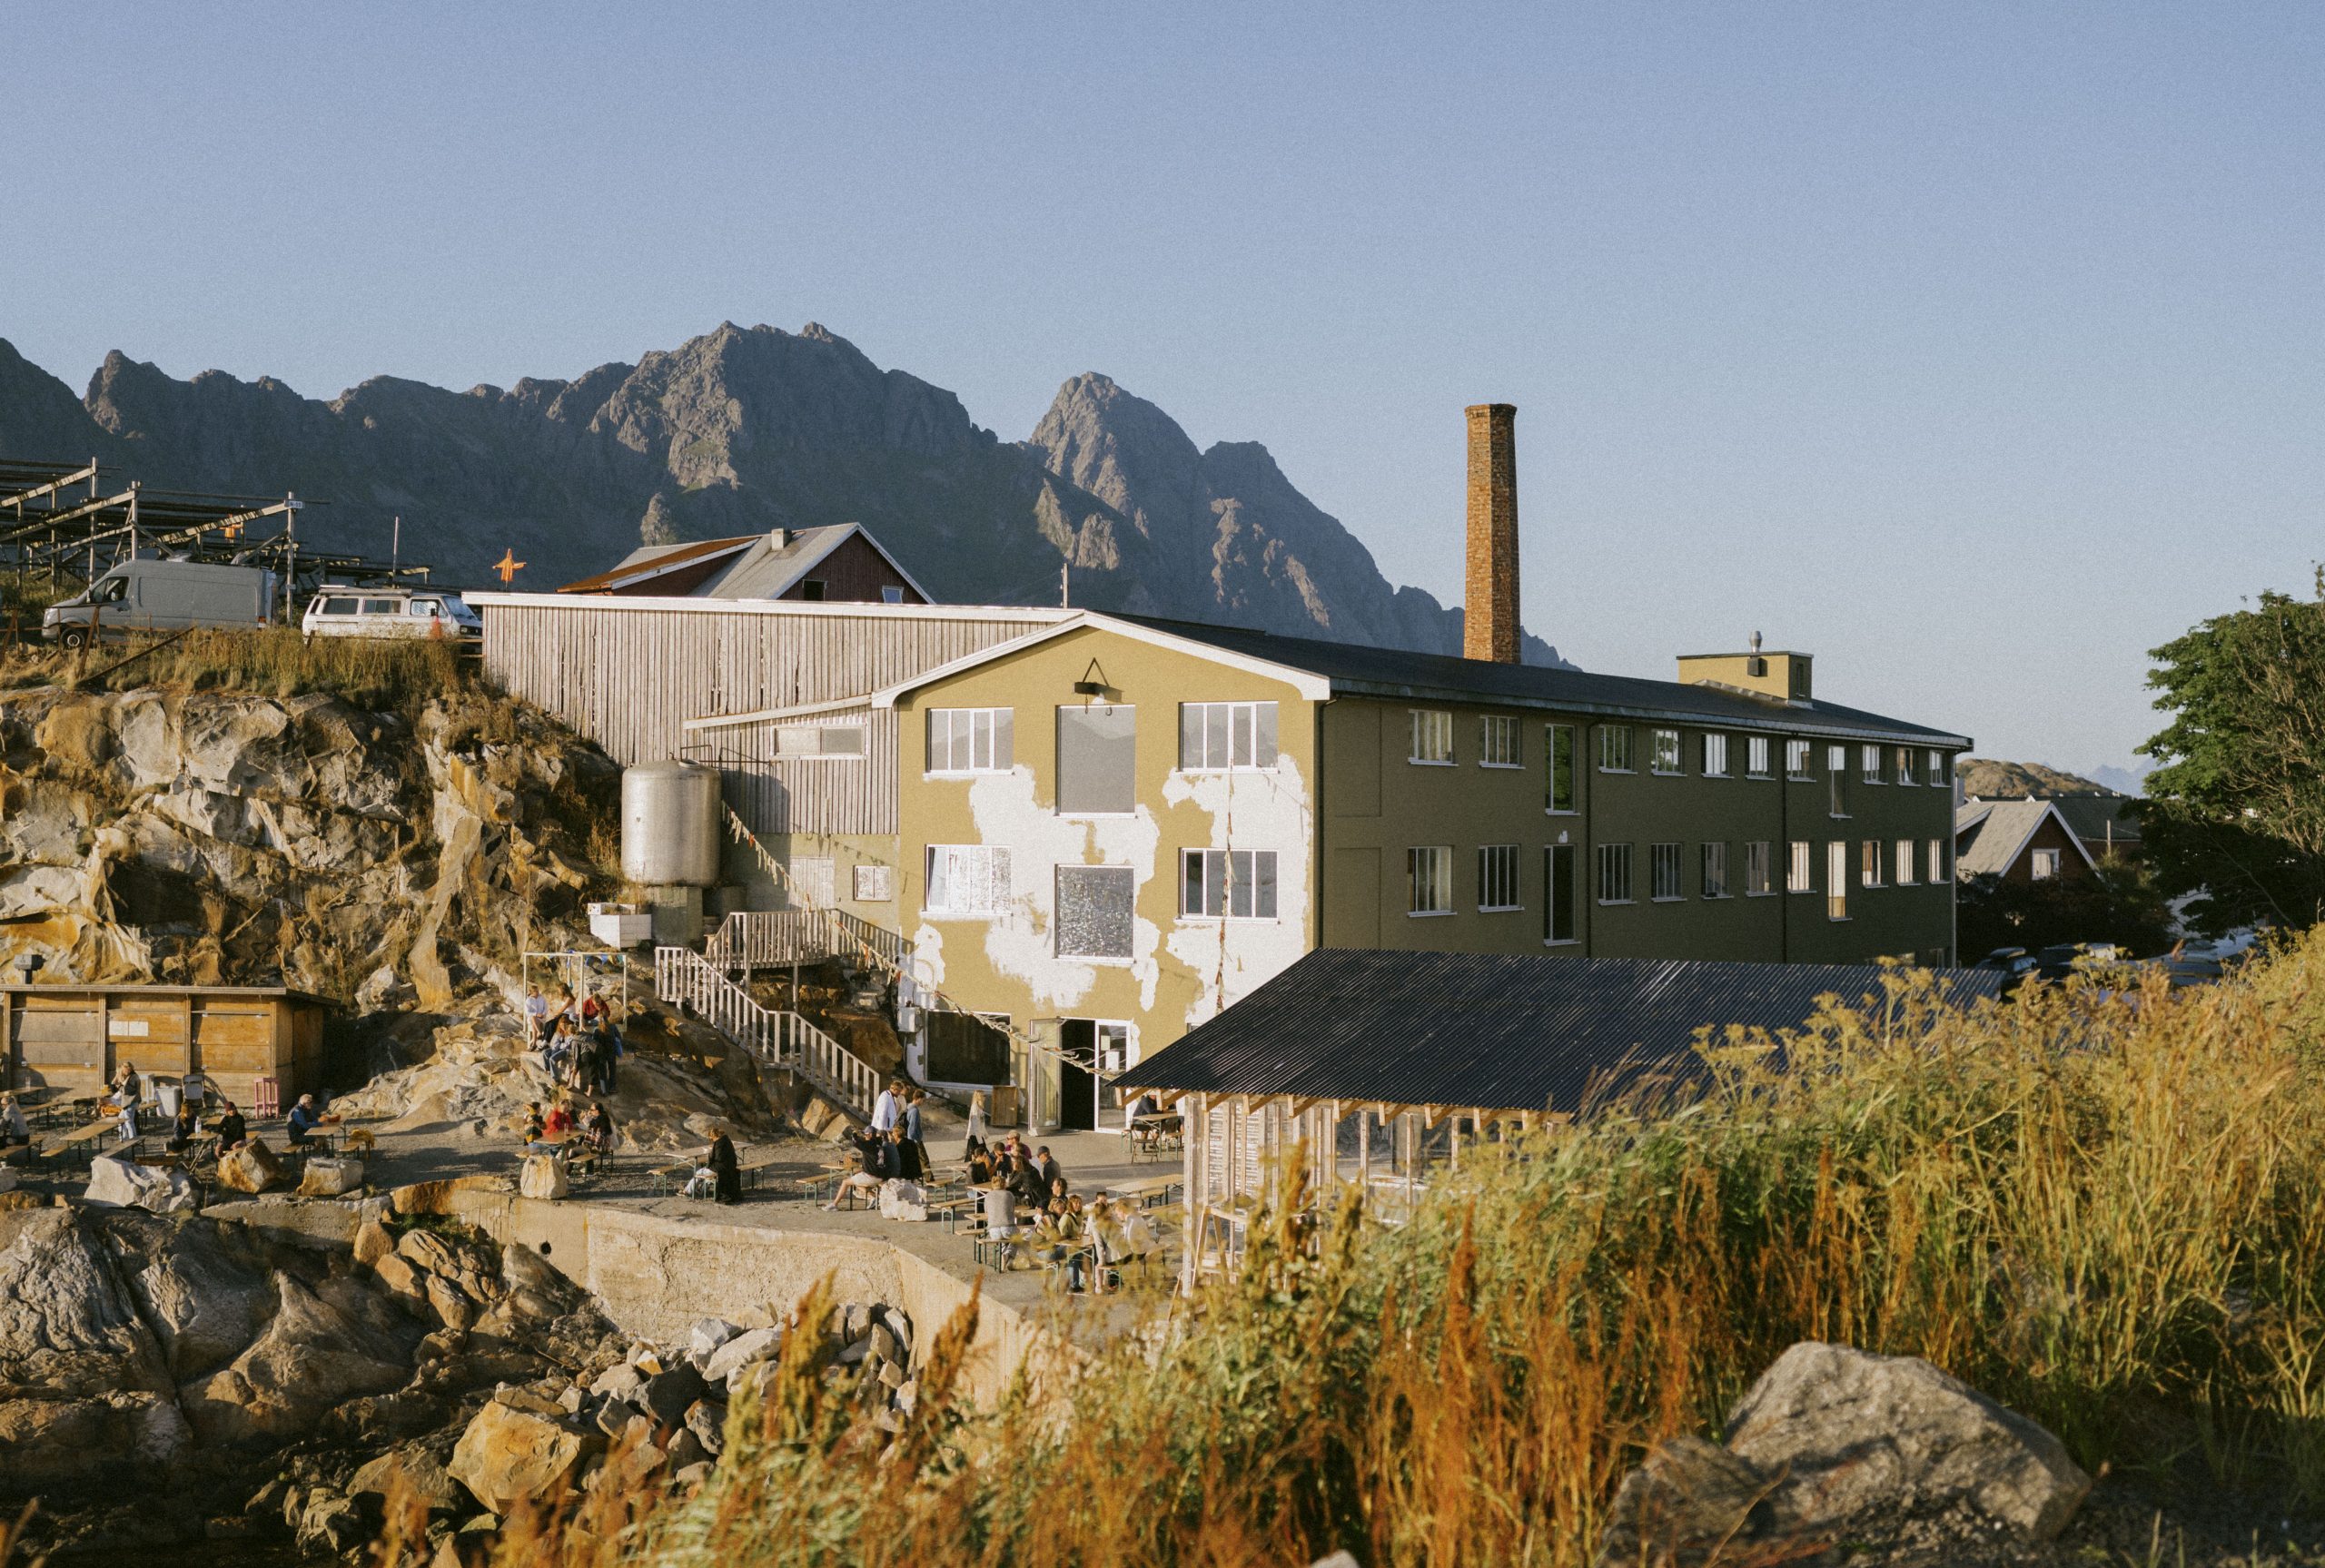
(329, 1178)
(67, 1326)
(121, 1184)
(508, 1457)
(206, 1289)
(249, 1167)
(49, 1442)
(410, 1471)
(740, 1352)
(542, 1177)
(1857, 1435)
(325, 1344)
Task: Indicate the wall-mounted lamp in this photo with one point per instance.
(1092, 682)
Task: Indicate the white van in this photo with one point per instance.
(337, 611)
(161, 595)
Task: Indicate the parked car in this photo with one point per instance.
(344, 612)
(2008, 959)
(164, 596)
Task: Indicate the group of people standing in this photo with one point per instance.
(889, 1147)
(578, 1040)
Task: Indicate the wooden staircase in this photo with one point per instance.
(686, 980)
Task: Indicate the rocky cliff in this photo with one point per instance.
(743, 429)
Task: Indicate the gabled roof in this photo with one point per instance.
(2097, 818)
(1334, 669)
(2003, 828)
(763, 567)
(1495, 1031)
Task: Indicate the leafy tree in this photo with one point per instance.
(2116, 904)
(2237, 809)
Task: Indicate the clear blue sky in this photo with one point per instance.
(1976, 350)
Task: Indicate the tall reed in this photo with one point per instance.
(2108, 1210)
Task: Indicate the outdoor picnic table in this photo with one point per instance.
(1142, 1189)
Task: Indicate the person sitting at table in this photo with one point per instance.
(1049, 1168)
(1060, 1199)
(303, 1121)
(875, 1154)
(181, 1132)
(725, 1169)
(599, 1130)
(14, 1128)
(558, 1125)
(232, 1131)
(1026, 1182)
(533, 1124)
(979, 1161)
(906, 1154)
(559, 1050)
(1058, 1238)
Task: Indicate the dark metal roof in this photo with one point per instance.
(1398, 672)
(2092, 817)
(1497, 1032)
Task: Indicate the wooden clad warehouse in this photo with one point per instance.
(77, 1037)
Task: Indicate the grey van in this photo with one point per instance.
(163, 596)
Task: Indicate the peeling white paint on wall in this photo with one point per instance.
(1249, 810)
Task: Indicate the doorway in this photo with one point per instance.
(1086, 1047)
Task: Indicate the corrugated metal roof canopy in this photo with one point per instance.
(1493, 1032)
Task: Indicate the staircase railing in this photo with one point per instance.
(769, 939)
(780, 1038)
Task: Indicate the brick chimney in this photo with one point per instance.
(1489, 596)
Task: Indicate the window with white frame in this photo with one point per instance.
(1614, 874)
(1558, 743)
(1432, 735)
(1936, 858)
(1755, 756)
(1428, 880)
(1759, 868)
(1800, 867)
(1216, 736)
(1497, 741)
(2046, 865)
(1663, 862)
(1497, 878)
(1901, 863)
(1796, 759)
(1869, 863)
(969, 740)
(967, 880)
(796, 741)
(873, 883)
(1227, 884)
(1667, 752)
(1836, 766)
(1097, 760)
(1558, 894)
(1936, 760)
(1907, 772)
(1714, 756)
(1715, 871)
(1869, 761)
(1836, 879)
(1095, 911)
(1613, 748)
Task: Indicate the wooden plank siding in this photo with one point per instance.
(76, 1038)
(628, 673)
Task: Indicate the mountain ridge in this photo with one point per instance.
(742, 429)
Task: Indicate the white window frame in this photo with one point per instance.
(1799, 758)
(1242, 725)
(994, 726)
(1609, 749)
(1500, 871)
(1836, 765)
(1901, 863)
(1908, 773)
(1836, 879)
(1715, 754)
(1057, 935)
(1493, 730)
(1869, 764)
(2043, 864)
(1550, 853)
(1714, 857)
(1657, 744)
(1616, 872)
(1758, 756)
(959, 871)
(1226, 871)
(1869, 863)
(1661, 857)
(1937, 774)
(1800, 865)
(1936, 856)
(823, 734)
(1428, 880)
(1432, 738)
(1759, 868)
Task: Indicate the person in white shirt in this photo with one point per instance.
(885, 1108)
(13, 1125)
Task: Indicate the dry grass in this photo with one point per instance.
(2109, 1212)
(370, 673)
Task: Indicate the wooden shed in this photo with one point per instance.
(77, 1037)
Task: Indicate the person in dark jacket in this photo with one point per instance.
(875, 1166)
(232, 1131)
(728, 1171)
(905, 1154)
(1026, 1182)
(182, 1131)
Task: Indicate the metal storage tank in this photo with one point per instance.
(670, 825)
